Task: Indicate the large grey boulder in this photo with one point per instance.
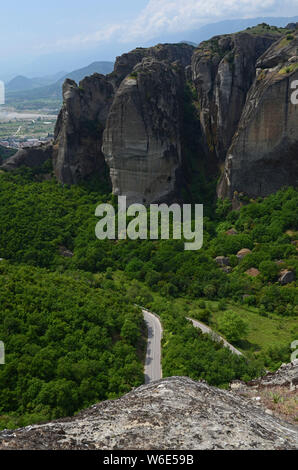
(286, 276)
(172, 413)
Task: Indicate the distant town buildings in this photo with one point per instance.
(19, 143)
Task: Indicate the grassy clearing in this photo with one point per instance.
(263, 331)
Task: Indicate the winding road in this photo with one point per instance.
(153, 370)
(205, 329)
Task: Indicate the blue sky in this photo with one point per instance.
(34, 30)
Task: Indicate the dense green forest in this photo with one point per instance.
(68, 344)
(72, 333)
(38, 218)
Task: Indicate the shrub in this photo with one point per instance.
(232, 326)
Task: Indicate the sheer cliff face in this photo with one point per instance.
(223, 70)
(141, 141)
(78, 135)
(77, 149)
(263, 154)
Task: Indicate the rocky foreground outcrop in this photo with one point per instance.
(263, 154)
(172, 413)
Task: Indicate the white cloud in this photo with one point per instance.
(181, 15)
(170, 16)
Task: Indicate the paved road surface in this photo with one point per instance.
(153, 356)
(205, 329)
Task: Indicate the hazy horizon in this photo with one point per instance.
(41, 39)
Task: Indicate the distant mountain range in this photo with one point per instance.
(21, 83)
(73, 59)
(22, 89)
(25, 88)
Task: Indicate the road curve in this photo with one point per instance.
(153, 369)
(205, 329)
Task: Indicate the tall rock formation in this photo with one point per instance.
(168, 116)
(169, 52)
(223, 70)
(141, 141)
(77, 147)
(264, 151)
(78, 134)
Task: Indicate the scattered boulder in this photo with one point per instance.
(231, 231)
(253, 272)
(227, 269)
(286, 276)
(243, 252)
(222, 260)
(63, 251)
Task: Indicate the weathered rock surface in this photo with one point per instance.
(141, 142)
(243, 252)
(253, 272)
(231, 231)
(173, 413)
(222, 260)
(263, 154)
(223, 70)
(286, 375)
(32, 157)
(286, 276)
(78, 133)
(170, 52)
(276, 392)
